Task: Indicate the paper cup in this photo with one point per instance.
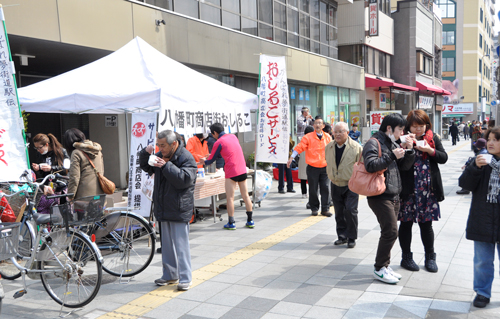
(152, 159)
(487, 157)
(44, 165)
(201, 172)
(420, 143)
(403, 138)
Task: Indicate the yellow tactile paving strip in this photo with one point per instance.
(159, 296)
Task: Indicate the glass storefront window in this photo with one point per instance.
(279, 16)
(304, 25)
(304, 44)
(187, 7)
(210, 14)
(266, 11)
(249, 26)
(231, 5)
(293, 20)
(329, 102)
(293, 40)
(314, 29)
(344, 95)
(302, 96)
(231, 20)
(265, 31)
(279, 36)
(248, 8)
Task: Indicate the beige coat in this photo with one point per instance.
(82, 177)
(340, 175)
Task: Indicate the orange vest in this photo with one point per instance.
(314, 148)
(197, 149)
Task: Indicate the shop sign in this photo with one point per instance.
(274, 120)
(292, 93)
(373, 16)
(382, 101)
(111, 121)
(425, 102)
(307, 95)
(301, 94)
(463, 108)
(376, 118)
(140, 184)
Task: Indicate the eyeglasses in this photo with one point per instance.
(38, 148)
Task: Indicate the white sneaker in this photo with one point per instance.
(395, 274)
(385, 276)
(304, 195)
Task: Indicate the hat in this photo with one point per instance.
(480, 143)
(305, 109)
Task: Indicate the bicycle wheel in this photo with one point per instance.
(78, 282)
(26, 242)
(129, 248)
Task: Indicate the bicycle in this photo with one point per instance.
(67, 261)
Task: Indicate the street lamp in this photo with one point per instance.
(483, 103)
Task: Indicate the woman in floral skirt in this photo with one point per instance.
(422, 191)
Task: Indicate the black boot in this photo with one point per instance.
(408, 263)
(430, 262)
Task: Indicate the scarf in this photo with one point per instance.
(494, 184)
(429, 138)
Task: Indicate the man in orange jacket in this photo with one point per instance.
(198, 147)
(314, 145)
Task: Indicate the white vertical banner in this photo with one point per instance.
(273, 134)
(373, 16)
(140, 185)
(13, 153)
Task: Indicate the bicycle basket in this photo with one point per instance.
(86, 210)
(9, 240)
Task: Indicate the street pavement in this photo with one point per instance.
(288, 267)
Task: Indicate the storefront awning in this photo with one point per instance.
(371, 82)
(453, 115)
(432, 88)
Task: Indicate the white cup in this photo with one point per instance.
(42, 165)
(421, 143)
(487, 157)
(152, 159)
(403, 138)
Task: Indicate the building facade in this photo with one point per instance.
(467, 57)
(222, 39)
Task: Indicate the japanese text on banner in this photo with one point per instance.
(140, 184)
(273, 124)
(13, 159)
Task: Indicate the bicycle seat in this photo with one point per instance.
(47, 218)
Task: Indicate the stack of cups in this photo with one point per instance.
(201, 172)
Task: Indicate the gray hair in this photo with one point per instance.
(343, 125)
(169, 135)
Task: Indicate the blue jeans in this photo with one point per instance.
(484, 269)
(281, 178)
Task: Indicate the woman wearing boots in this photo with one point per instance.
(422, 191)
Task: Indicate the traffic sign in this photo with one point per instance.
(494, 102)
(498, 51)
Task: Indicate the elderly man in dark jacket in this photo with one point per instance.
(175, 177)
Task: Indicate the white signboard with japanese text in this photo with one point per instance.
(425, 102)
(373, 16)
(462, 108)
(376, 118)
(199, 119)
(140, 184)
(273, 127)
(13, 158)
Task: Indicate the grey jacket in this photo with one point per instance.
(341, 175)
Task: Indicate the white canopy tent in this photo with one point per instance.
(137, 77)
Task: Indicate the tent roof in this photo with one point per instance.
(137, 77)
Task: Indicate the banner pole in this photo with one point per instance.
(15, 84)
(256, 135)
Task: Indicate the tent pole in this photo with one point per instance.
(126, 139)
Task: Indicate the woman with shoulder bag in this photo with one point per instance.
(422, 191)
(83, 180)
(386, 205)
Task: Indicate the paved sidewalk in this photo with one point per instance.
(288, 267)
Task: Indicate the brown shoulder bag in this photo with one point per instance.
(107, 186)
(364, 183)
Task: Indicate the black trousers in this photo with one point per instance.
(318, 179)
(426, 234)
(387, 214)
(303, 186)
(345, 203)
(282, 169)
(454, 139)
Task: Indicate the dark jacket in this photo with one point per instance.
(51, 159)
(173, 195)
(436, 183)
(387, 161)
(453, 130)
(484, 222)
